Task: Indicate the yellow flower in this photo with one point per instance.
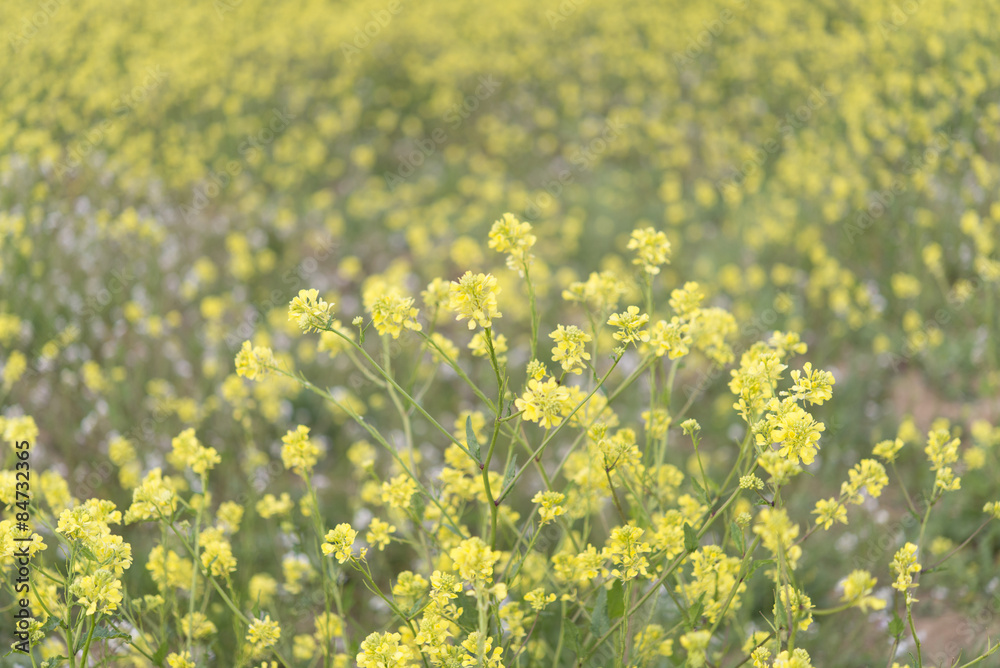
(392, 312)
(474, 296)
(812, 385)
(571, 348)
(652, 249)
(339, 541)
(830, 511)
(544, 402)
(626, 551)
(858, 587)
(474, 560)
(188, 451)
(101, 591)
(253, 362)
(904, 564)
(263, 633)
(398, 491)
(298, 451)
(538, 599)
(511, 236)
(551, 507)
(309, 311)
(887, 449)
(379, 533)
(629, 323)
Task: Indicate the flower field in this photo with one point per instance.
(402, 334)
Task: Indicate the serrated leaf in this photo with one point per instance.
(737, 535)
(896, 626)
(690, 538)
(50, 624)
(573, 633)
(470, 437)
(616, 600)
(106, 633)
(508, 477)
(600, 623)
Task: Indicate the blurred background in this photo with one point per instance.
(172, 173)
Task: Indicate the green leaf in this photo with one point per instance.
(755, 565)
(470, 436)
(49, 625)
(572, 633)
(690, 538)
(616, 600)
(161, 653)
(694, 612)
(508, 477)
(105, 633)
(896, 626)
(600, 622)
(737, 534)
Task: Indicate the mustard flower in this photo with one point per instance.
(216, 552)
(188, 451)
(182, 660)
(670, 338)
(474, 296)
(263, 633)
(798, 658)
(629, 323)
(830, 511)
(551, 505)
(309, 311)
(197, 625)
(253, 362)
(796, 605)
(601, 291)
(21, 428)
(992, 508)
(152, 499)
(867, 474)
(778, 534)
(652, 249)
(511, 236)
(696, 644)
(398, 491)
(536, 370)
(379, 533)
(941, 449)
(474, 560)
(812, 385)
(544, 402)
(392, 312)
(298, 452)
(904, 564)
(626, 551)
(571, 348)
(99, 592)
(713, 577)
(538, 599)
(858, 587)
(794, 429)
(887, 449)
(339, 541)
